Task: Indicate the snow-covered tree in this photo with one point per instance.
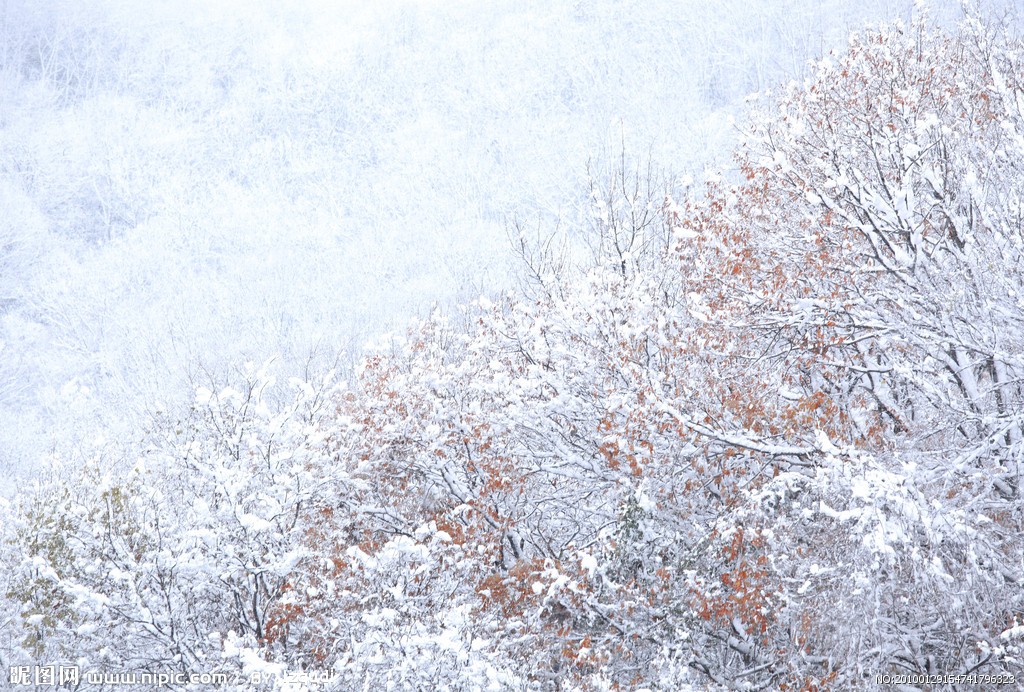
(763, 435)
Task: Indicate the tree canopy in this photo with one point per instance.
(767, 434)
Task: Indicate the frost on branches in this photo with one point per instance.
(770, 437)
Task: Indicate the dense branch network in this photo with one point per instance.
(770, 437)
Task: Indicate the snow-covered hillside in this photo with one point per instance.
(188, 186)
(548, 346)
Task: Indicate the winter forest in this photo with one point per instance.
(541, 345)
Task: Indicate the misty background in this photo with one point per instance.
(188, 186)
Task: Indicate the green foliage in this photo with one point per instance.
(44, 538)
